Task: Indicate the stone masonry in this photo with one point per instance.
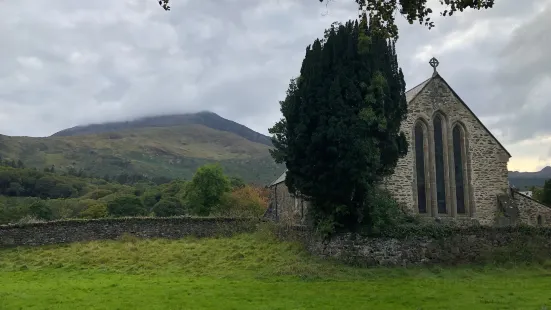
(484, 167)
(486, 160)
(68, 231)
(285, 207)
(467, 245)
(531, 212)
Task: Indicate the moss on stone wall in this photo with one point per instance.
(429, 244)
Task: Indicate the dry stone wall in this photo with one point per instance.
(102, 229)
(486, 160)
(467, 245)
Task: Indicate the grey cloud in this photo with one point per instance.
(111, 60)
(496, 72)
(524, 76)
(108, 60)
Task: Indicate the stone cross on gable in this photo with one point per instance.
(434, 63)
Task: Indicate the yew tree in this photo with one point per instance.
(340, 131)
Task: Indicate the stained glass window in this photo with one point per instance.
(420, 168)
(458, 146)
(439, 165)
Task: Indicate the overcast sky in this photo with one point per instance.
(65, 62)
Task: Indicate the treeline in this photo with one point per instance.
(30, 195)
(23, 182)
(542, 194)
(123, 178)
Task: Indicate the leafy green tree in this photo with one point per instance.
(382, 12)
(99, 193)
(41, 210)
(96, 211)
(546, 193)
(127, 205)
(237, 182)
(340, 132)
(43, 186)
(15, 189)
(172, 188)
(537, 193)
(6, 178)
(61, 190)
(206, 188)
(168, 207)
(151, 197)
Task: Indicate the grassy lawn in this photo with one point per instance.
(246, 272)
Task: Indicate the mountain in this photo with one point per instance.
(523, 180)
(207, 119)
(171, 146)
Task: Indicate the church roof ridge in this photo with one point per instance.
(413, 92)
(280, 179)
(437, 75)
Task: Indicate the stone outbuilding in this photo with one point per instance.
(455, 167)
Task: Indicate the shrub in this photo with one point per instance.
(386, 213)
(127, 205)
(15, 189)
(29, 219)
(168, 207)
(95, 211)
(246, 201)
(150, 198)
(69, 208)
(41, 210)
(237, 182)
(99, 193)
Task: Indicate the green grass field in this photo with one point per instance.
(251, 271)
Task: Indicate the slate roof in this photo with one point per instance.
(412, 93)
(280, 179)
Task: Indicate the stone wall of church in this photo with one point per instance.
(284, 207)
(532, 212)
(467, 245)
(486, 160)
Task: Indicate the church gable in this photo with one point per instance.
(439, 96)
(454, 167)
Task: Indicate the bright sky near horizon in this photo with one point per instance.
(65, 63)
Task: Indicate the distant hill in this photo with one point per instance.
(171, 146)
(523, 180)
(207, 119)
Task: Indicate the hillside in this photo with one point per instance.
(524, 180)
(207, 119)
(168, 150)
(169, 146)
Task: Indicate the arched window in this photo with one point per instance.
(420, 167)
(439, 164)
(539, 220)
(458, 151)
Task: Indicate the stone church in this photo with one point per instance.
(455, 167)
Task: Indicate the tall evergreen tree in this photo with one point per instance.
(340, 132)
